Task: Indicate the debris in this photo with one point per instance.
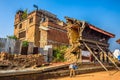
(15, 61)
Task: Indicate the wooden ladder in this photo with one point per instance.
(108, 56)
(95, 56)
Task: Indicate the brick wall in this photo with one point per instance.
(56, 35)
(43, 38)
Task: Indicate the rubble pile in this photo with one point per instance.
(17, 61)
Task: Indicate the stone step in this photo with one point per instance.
(51, 74)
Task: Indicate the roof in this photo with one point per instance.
(101, 31)
(45, 12)
(118, 41)
(72, 20)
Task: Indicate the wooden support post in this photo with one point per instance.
(80, 30)
(95, 56)
(80, 55)
(108, 56)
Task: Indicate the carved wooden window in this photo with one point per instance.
(15, 26)
(20, 26)
(22, 34)
(31, 20)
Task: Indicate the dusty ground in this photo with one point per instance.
(112, 75)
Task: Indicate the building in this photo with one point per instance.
(84, 36)
(40, 27)
(118, 41)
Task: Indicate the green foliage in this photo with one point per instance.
(12, 37)
(25, 43)
(24, 15)
(58, 54)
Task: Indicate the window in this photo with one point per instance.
(20, 26)
(22, 34)
(31, 20)
(15, 26)
(42, 20)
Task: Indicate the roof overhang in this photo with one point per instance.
(75, 24)
(101, 31)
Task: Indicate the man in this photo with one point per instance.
(72, 68)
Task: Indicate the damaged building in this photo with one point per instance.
(87, 37)
(40, 27)
(44, 28)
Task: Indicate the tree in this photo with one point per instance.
(58, 53)
(24, 15)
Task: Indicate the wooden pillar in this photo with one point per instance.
(80, 55)
(80, 30)
(103, 57)
(107, 57)
(92, 57)
(98, 55)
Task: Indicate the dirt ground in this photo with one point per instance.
(111, 75)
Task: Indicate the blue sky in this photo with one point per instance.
(104, 14)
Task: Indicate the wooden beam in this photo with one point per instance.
(108, 56)
(95, 56)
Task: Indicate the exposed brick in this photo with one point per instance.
(41, 37)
